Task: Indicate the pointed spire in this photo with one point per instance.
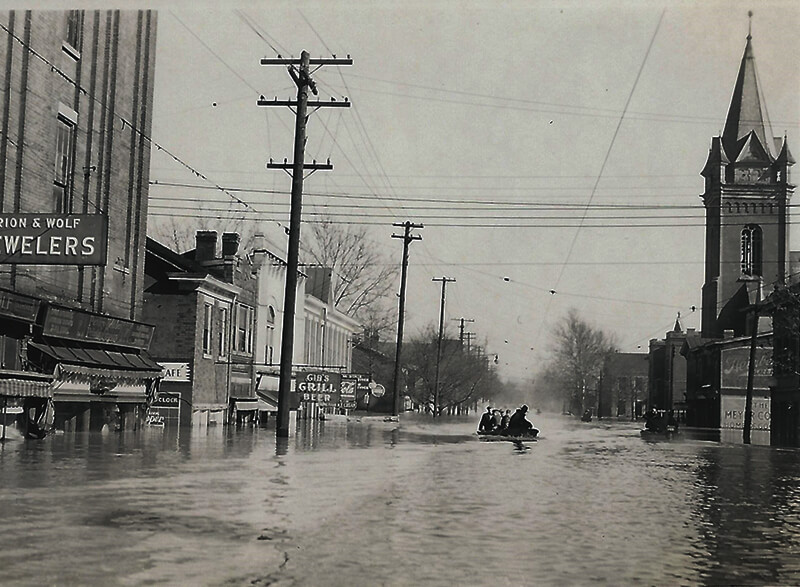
(747, 111)
(678, 326)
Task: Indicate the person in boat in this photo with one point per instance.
(518, 424)
(653, 420)
(672, 422)
(485, 425)
(504, 421)
(497, 420)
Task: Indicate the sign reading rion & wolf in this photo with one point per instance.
(53, 239)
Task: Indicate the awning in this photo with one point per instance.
(100, 366)
(247, 406)
(25, 384)
(267, 400)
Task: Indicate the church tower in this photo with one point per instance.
(747, 193)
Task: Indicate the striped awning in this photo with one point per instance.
(100, 366)
(14, 387)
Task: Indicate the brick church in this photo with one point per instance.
(746, 198)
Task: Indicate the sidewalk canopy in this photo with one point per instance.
(101, 366)
(25, 384)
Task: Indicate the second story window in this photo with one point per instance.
(73, 33)
(751, 250)
(244, 329)
(62, 180)
(223, 331)
(207, 328)
(270, 349)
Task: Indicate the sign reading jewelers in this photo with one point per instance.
(53, 239)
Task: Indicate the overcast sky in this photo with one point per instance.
(513, 131)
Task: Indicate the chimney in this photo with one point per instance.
(259, 242)
(230, 244)
(205, 245)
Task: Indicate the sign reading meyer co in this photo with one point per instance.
(735, 363)
(53, 239)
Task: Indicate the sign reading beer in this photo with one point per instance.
(53, 239)
(318, 386)
(735, 363)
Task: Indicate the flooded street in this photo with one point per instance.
(425, 504)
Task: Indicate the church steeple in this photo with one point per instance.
(747, 113)
(747, 194)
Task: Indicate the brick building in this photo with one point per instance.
(75, 116)
(623, 386)
(747, 201)
(204, 304)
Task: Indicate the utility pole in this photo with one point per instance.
(445, 281)
(461, 322)
(469, 336)
(407, 240)
(751, 367)
(298, 69)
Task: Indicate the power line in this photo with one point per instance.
(125, 122)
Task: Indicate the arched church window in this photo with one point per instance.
(751, 250)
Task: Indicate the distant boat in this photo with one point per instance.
(668, 433)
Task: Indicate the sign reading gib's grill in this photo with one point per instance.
(53, 239)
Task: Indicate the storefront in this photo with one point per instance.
(102, 376)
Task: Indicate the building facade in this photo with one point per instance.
(623, 386)
(747, 201)
(75, 120)
(204, 304)
(270, 267)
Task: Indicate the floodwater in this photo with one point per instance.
(423, 504)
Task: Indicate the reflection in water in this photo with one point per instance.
(372, 503)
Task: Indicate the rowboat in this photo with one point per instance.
(530, 436)
(667, 433)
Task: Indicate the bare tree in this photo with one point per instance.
(463, 377)
(579, 355)
(179, 233)
(365, 280)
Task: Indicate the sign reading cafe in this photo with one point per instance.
(53, 239)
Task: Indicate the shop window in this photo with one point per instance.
(751, 250)
(207, 329)
(62, 180)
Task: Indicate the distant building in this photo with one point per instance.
(667, 370)
(270, 270)
(75, 120)
(328, 333)
(623, 386)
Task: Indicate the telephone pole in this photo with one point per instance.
(298, 70)
(407, 240)
(461, 322)
(468, 336)
(445, 281)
